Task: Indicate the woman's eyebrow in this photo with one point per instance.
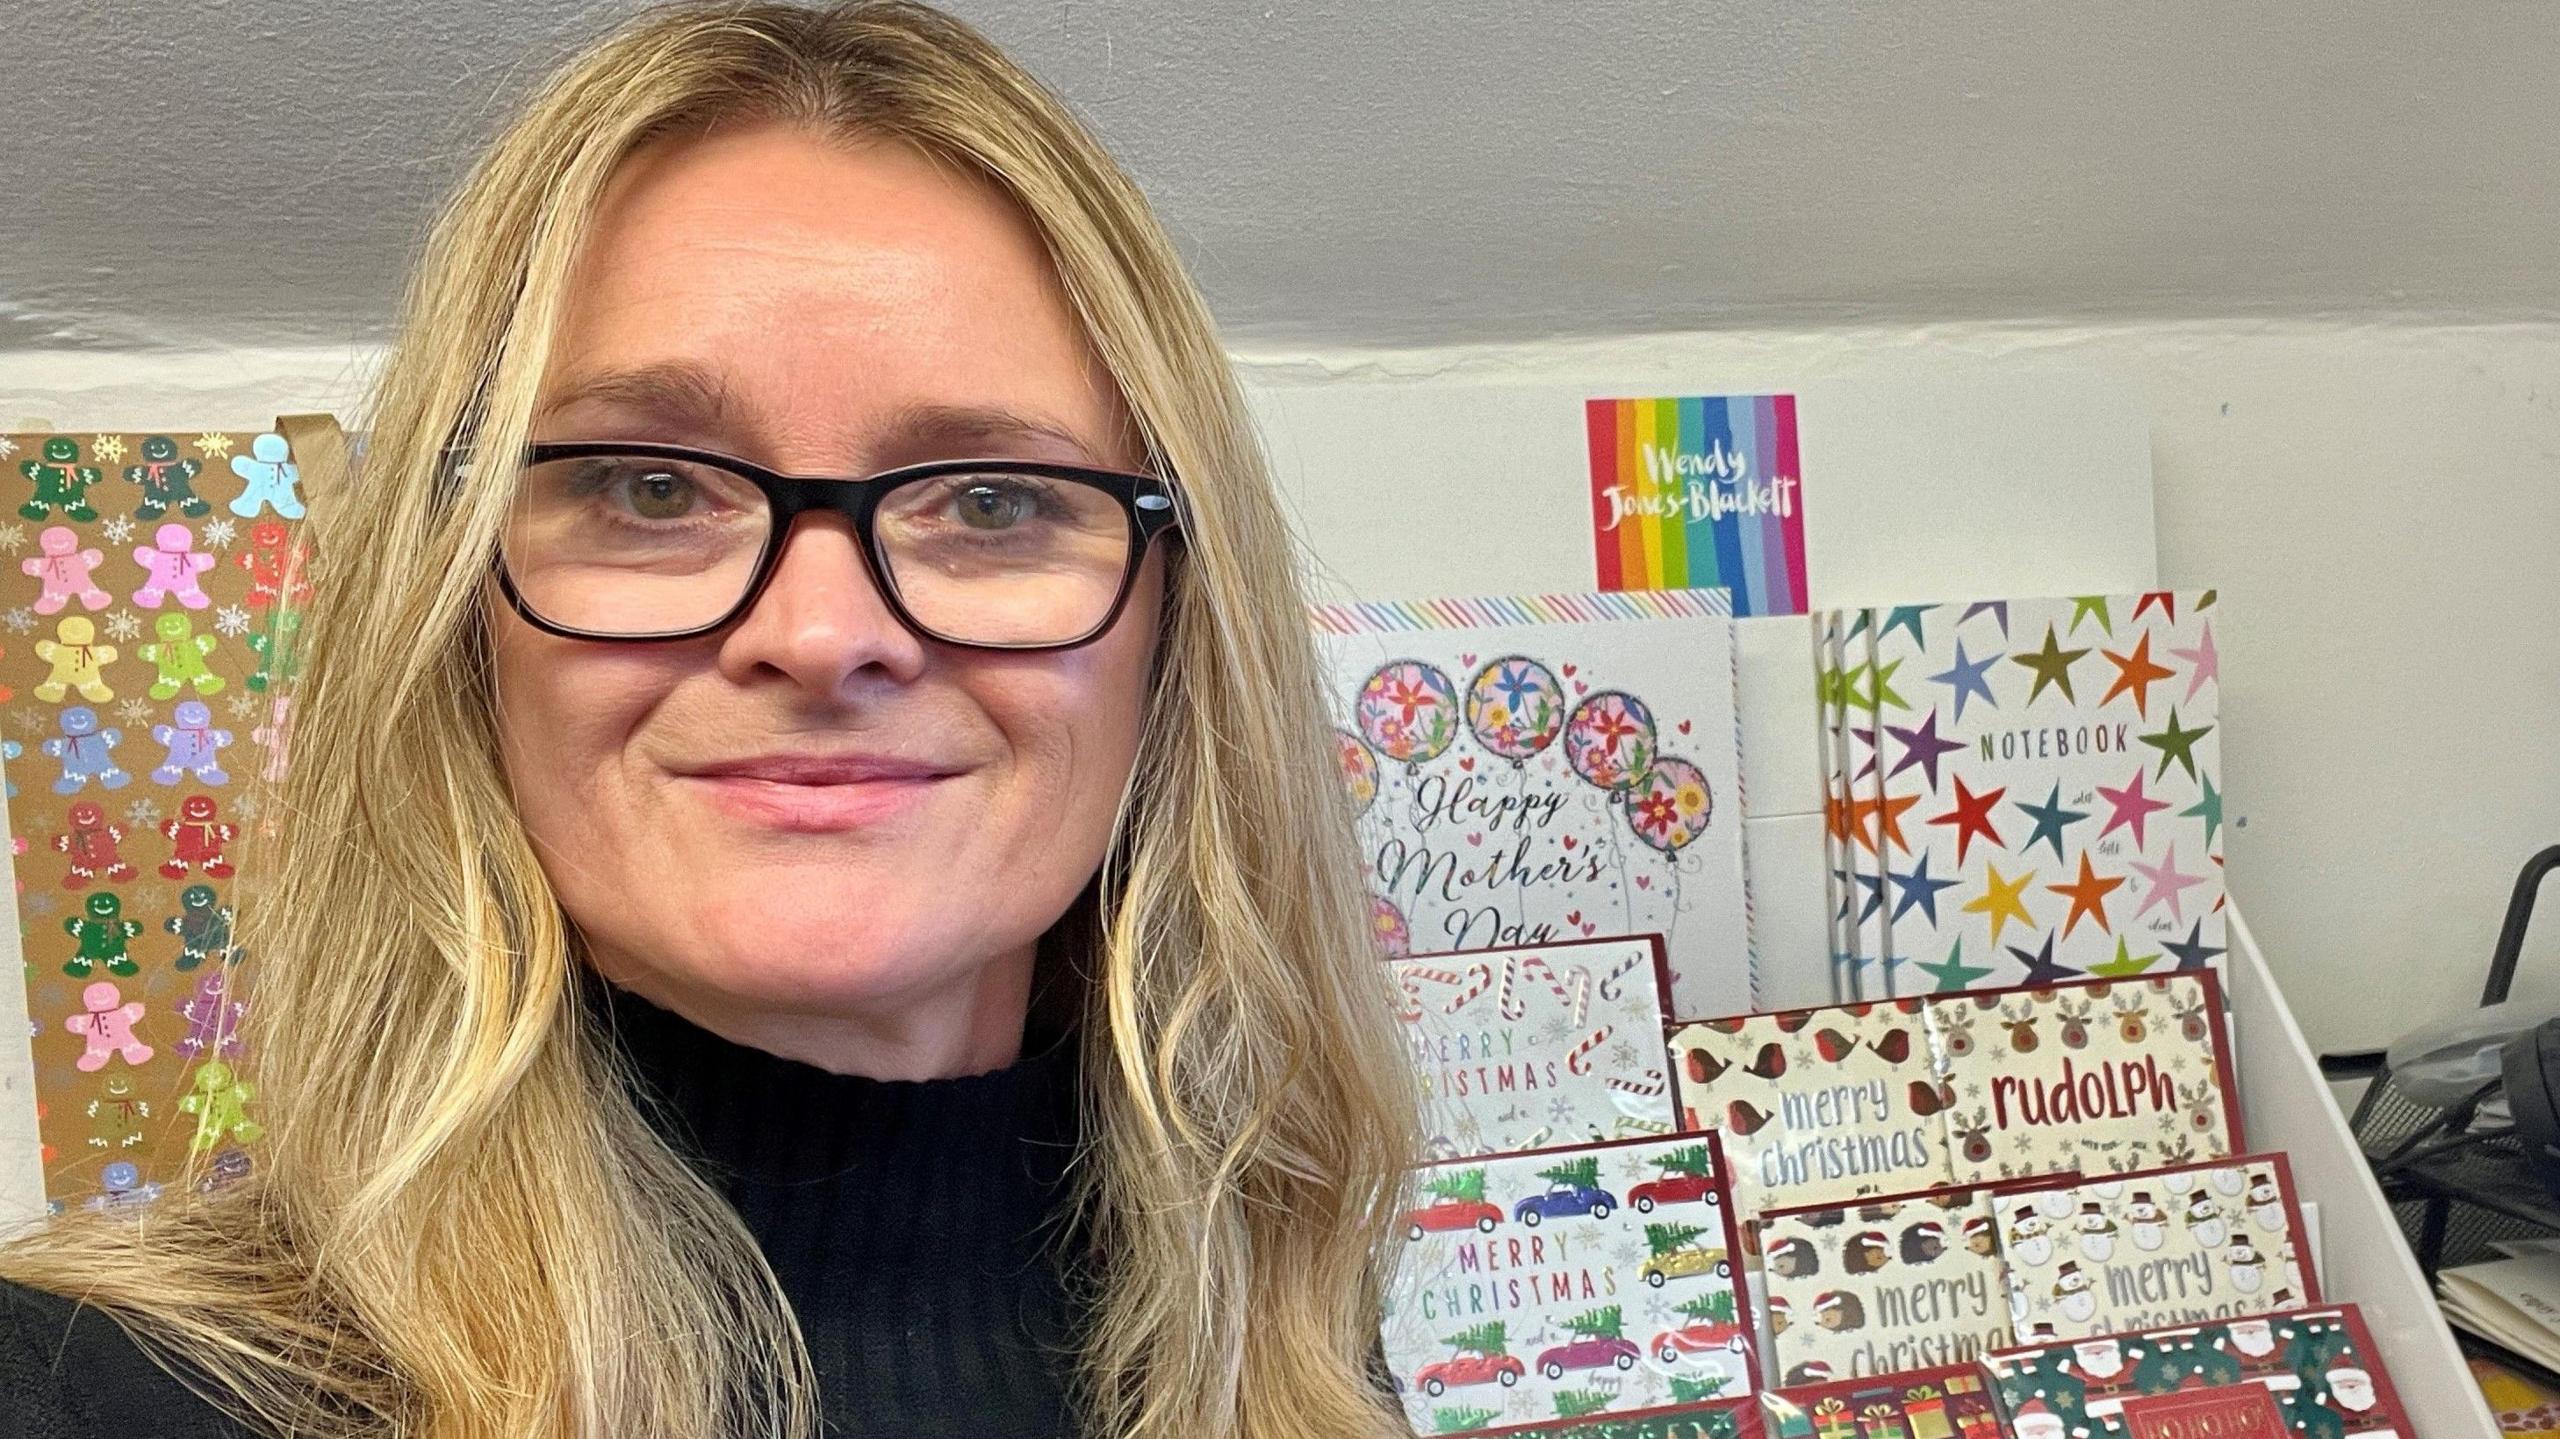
(960, 429)
(690, 394)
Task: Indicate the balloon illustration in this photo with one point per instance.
(1387, 927)
(1359, 769)
(1610, 740)
(1409, 710)
(1515, 707)
(1670, 806)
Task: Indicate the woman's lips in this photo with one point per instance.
(817, 795)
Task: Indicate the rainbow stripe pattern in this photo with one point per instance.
(1700, 492)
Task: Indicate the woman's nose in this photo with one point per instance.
(821, 619)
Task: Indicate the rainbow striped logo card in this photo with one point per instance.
(1700, 492)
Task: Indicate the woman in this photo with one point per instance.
(723, 977)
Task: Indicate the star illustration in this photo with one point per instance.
(1967, 678)
(1889, 820)
(2132, 807)
(1880, 690)
(1955, 974)
(2088, 896)
(2052, 665)
(1835, 816)
(1865, 737)
(1853, 694)
(2176, 744)
(1921, 892)
(2135, 674)
(1997, 609)
(2206, 663)
(1860, 810)
(2209, 809)
(2193, 953)
(1826, 687)
(1972, 816)
(2040, 966)
(2003, 899)
(2167, 600)
(1848, 892)
(2167, 883)
(2125, 965)
(2083, 606)
(2051, 819)
(1875, 895)
(1904, 617)
(1921, 746)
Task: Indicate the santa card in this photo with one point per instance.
(1575, 1283)
(1882, 1286)
(2277, 1376)
(2163, 1246)
(2099, 1077)
(1951, 1402)
(1533, 1047)
(1549, 767)
(1816, 1105)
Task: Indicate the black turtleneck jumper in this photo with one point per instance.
(915, 1226)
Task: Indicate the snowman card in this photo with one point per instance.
(1573, 1283)
(1950, 1402)
(1817, 1106)
(1549, 767)
(2101, 1077)
(1537, 1046)
(2309, 1372)
(2163, 1246)
(1882, 1286)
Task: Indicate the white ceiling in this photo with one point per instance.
(226, 172)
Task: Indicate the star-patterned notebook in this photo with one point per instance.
(1534, 1047)
(2052, 788)
(2300, 1374)
(149, 650)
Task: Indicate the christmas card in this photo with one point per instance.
(2098, 1077)
(1718, 1419)
(1953, 1402)
(1550, 767)
(1538, 1046)
(1576, 1283)
(2052, 800)
(1816, 1105)
(2164, 1246)
(2300, 1373)
(1881, 1287)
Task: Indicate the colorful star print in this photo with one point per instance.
(2051, 819)
(2134, 675)
(2088, 895)
(2177, 746)
(2052, 665)
(1966, 677)
(1971, 817)
(2003, 899)
(2131, 807)
(1921, 746)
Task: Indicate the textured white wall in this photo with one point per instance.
(2379, 503)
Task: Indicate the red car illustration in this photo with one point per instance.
(1697, 1339)
(1446, 1214)
(1673, 1189)
(1595, 1353)
(1448, 1374)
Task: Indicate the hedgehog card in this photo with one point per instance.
(2163, 1246)
(2275, 1376)
(2097, 1078)
(1534, 1047)
(1816, 1105)
(1948, 1402)
(1881, 1287)
(1597, 1281)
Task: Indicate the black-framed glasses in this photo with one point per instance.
(613, 540)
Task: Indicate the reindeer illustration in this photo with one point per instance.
(2020, 1020)
(2075, 1021)
(2192, 1025)
(2131, 1014)
(1973, 1135)
(2202, 1103)
(1957, 1039)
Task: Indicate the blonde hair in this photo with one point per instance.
(459, 1225)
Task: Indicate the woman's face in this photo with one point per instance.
(701, 806)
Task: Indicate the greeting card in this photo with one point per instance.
(1717, 1419)
(2052, 802)
(1816, 1105)
(2277, 1376)
(2097, 1077)
(1549, 767)
(1881, 1287)
(2165, 1246)
(1538, 1046)
(1952, 1402)
(1569, 1284)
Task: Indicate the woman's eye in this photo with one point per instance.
(993, 507)
(659, 495)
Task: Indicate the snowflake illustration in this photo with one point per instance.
(109, 448)
(247, 806)
(133, 711)
(19, 620)
(38, 904)
(154, 896)
(242, 706)
(232, 620)
(216, 445)
(1556, 1031)
(117, 530)
(124, 625)
(1560, 1110)
(31, 721)
(13, 538)
(219, 534)
(142, 812)
(8, 447)
(1624, 1055)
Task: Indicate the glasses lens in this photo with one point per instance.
(631, 544)
(1004, 559)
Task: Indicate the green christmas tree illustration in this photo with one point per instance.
(1686, 1390)
(1489, 1340)
(1664, 1238)
(1715, 1308)
(1583, 1173)
(1574, 1403)
(1463, 1186)
(1608, 1323)
(1455, 1421)
(1689, 1159)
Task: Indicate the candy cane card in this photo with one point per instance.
(1549, 767)
(1538, 1046)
